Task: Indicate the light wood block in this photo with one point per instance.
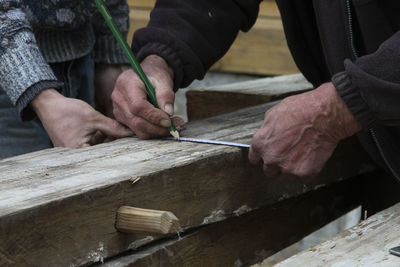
(133, 220)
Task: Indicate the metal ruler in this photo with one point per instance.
(206, 141)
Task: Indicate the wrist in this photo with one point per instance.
(43, 98)
(154, 60)
(342, 122)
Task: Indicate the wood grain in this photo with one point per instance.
(367, 244)
(58, 206)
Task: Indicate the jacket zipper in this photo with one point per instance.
(383, 155)
(355, 55)
(351, 34)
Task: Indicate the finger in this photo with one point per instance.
(179, 123)
(271, 170)
(145, 130)
(136, 98)
(109, 139)
(111, 127)
(97, 138)
(146, 111)
(164, 93)
(254, 156)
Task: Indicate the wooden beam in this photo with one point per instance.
(58, 206)
(366, 244)
(248, 239)
(215, 100)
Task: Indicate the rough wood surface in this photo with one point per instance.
(215, 100)
(134, 220)
(249, 238)
(262, 50)
(367, 244)
(58, 206)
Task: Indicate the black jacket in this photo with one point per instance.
(353, 43)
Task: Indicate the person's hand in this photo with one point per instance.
(131, 106)
(74, 123)
(105, 78)
(300, 133)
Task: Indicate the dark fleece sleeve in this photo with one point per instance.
(370, 86)
(191, 35)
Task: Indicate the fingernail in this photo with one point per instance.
(169, 109)
(165, 123)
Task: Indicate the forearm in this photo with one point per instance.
(22, 67)
(192, 35)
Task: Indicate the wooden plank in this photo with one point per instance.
(58, 206)
(367, 244)
(262, 50)
(249, 238)
(206, 102)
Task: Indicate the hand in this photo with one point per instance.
(300, 133)
(130, 100)
(105, 78)
(72, 122)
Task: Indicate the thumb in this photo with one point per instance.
(254, 157)
(165, 95)
(111, 127)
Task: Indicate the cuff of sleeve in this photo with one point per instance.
(352, 97)
(168, 55)
(108, 51)
(22, 67)
(26, 113)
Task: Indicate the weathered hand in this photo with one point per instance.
(105, 78)
(300, 133)
(131, 106)
(73, 123)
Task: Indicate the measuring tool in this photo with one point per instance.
(206, 141)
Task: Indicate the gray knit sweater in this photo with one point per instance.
(34, 33)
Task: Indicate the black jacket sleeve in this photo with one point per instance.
(370, 86)
(191, 35)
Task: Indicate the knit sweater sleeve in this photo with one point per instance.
(370, 86)
(192, 35)
(106, 49)
(23, 69)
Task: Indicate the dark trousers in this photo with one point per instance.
(18, 137)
